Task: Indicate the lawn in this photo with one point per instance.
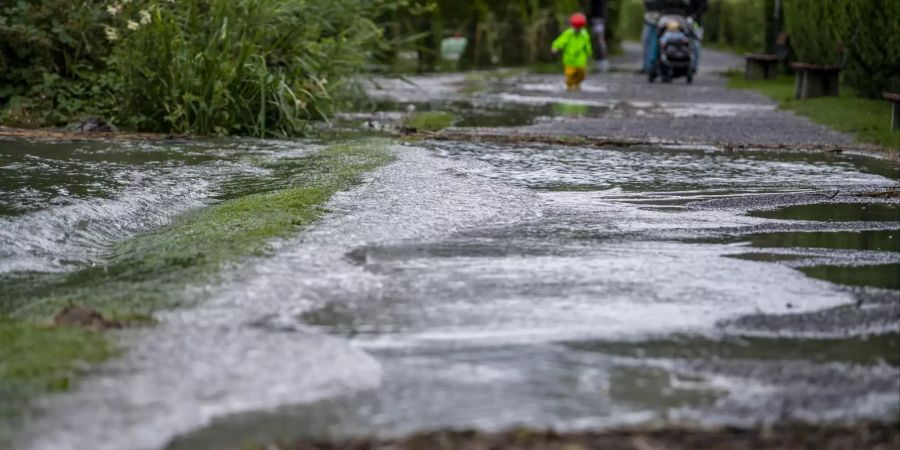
(868, 119)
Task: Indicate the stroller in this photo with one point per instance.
(674, 49)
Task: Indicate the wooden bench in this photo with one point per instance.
(894, 98)
(814, 80)
(761, 67)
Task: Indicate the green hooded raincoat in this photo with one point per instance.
(575, 46)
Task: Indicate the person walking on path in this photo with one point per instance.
(575, 46)
(602, 55)
(648, 37)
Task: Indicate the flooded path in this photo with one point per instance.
(489, 286)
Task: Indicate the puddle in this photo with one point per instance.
(885, 276)
(767, 257)
(487, 113)
(835, 212)
(877, 240)
(867, 350)
(651, 170)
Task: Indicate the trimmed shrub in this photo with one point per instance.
(818, 29)
(873, 64)
(863, 33)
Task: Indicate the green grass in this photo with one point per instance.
(868, 119)
(430, 120)
(152, 271)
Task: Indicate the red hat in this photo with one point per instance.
(578, 20)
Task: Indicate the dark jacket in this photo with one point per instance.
(652, 5)
(679, 7)
(698, 8)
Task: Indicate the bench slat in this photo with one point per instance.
(761, 57)
(816, 67)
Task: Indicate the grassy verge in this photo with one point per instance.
(867, 119)
(151, 271)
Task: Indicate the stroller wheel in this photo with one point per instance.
(690, 79)
(651, 77)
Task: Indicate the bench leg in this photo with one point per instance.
(815, 85)
(799, 81)
(771, 70)
(832, 84)
(896, 116)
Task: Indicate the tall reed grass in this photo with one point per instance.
(247, 67)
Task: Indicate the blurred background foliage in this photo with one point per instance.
(250, 67)
(862, 35)
(268, 67)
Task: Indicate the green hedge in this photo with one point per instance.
(631, 19)
(867, 30)
(739, 24)
(817, 28)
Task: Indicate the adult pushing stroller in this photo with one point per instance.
(674, 51)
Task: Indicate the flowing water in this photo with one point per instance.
(479, 286)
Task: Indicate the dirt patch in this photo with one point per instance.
(83, 317)
(797, 437)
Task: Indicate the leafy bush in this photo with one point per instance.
(251, 67)
(254, 67)
(51, 59)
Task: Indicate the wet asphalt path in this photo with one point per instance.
(706, 112)
(619, 105)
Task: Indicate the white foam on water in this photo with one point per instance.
(544, 100)
(243, 350)
(59, 238)
(392, 262)
(560, 87)
(681, 110)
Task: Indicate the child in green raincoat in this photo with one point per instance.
(575, 45)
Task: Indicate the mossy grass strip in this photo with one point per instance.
(153, 271)
(868, 119)
(430, 120)
(35, 359)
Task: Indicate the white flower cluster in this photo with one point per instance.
(144, 18)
